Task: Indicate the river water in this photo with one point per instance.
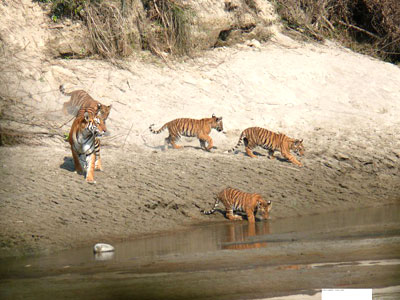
(358, 248)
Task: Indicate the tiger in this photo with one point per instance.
(84, 141)
(191, 128)
(81, 99)
(271, 141)
(236, 200)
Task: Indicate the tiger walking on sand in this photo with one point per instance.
(84, 141)
(191, 128)
(271, 141)
(81, 99)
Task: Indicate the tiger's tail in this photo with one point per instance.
(239, 142)
(213, 209)
(157, 131)
(62, 90)
(68, 108)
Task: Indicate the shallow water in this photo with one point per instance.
(223, 260)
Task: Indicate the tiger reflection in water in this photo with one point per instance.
(238, 234)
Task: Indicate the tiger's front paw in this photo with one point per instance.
(90, 180)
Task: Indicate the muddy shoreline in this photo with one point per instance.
(46, 207)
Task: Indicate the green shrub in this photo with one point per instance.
(65, 8)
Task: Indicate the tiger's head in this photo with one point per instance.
(265, 208)
(103, 111)
(94, 123)
(298, 147)
(217, 123)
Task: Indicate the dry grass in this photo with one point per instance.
(118, 27)
(369, 26)
(110, 31)
(170, 27)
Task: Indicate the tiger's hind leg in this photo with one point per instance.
(271, 154)
(172, 142)
(249, 152)
(248, 148)
(202, 144)
(231, 216)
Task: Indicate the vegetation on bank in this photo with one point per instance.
(117, 27)
(368, 26)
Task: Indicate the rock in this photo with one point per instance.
(70, 42)
(100, 247)
(218, 23)
(253, 43)
(104, 256)
(341, 156)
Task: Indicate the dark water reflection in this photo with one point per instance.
(221, 236)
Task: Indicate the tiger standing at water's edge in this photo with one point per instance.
(84, 142)
(191, 128)
(236, 200)
(271, 141)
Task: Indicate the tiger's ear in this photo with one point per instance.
(298, 142)
(86, 115)
(98, 105)
(213, 116)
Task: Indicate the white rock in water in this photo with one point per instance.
(100, 247)
(104, 256)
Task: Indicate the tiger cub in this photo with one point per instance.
(271, 141)
(191, 128)
(84, 141)
(236, 200)
(81, 99)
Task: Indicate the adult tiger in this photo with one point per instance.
(81, 99)
(271, 141)
(191, 128)
(83, 138)
(236, 200)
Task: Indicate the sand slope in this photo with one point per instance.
(344, 105)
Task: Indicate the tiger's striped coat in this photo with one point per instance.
(191, 128)
(236, 200)
(271, 141)
(81, 99)
(84, 141)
